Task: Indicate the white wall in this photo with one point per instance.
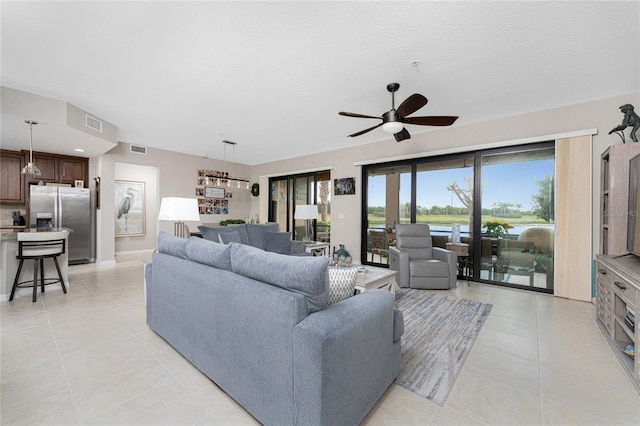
(149, 176)
(177, 172)
(176, 177)
(601, 114)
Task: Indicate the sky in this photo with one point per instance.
(509, 182)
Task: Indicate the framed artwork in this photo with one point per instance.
(344, 186)
(79, 184)
(213, 192)
(129, 208)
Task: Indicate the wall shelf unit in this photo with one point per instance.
(618, 273)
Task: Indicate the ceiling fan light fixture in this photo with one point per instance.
(392, 127)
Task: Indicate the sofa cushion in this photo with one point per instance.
(212, 233)
(170, 244)
(230, 237)
(241, 229)
(278, 242)
(257, 233)
(304, 275)
(209, 253)
(342, 283)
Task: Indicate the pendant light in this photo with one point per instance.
(227, 180)
(30, 168)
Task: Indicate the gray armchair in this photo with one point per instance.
(418, 263)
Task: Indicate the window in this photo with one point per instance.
(505, 196)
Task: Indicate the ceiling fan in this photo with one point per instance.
(393, 120)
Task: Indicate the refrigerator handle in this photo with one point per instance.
(58, 210)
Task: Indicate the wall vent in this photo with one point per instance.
(138, 149)
(93, 123)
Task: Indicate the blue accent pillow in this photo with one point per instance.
(278, 242)
(230, 237)
(240, 228)
(209, 253)
(210, 233)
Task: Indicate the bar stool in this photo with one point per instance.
(38, 246)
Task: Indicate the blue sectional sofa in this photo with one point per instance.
(259, 325)
(265, 236)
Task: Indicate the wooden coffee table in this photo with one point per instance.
(381, 278)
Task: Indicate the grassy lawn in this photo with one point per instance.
(443, 220)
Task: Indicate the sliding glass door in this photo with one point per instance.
(388, 201)
(501, 201)
(444, 197)
(288, 192)
(517, 217)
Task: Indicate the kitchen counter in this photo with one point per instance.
(9, 264)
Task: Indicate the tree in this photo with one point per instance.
(465, 195)
(323, 191)
(544, 200)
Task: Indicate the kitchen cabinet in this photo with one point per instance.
(60, 168)
(12, 181)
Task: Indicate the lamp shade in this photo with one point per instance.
(179, 209)
(306, 211)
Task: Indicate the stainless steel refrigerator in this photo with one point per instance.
(64, 207)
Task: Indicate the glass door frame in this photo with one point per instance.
(312, 197)
(477, 197)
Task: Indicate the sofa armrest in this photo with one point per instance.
(451, 258)
(399, 262)
(344, 359)
(297, 247)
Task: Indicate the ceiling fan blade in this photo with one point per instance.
(437, 120)
(362, 132)
(411, 105)
(353, 114)
(402, 135)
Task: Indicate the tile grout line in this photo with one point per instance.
(64, 370)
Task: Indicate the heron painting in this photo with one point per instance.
(129, 208)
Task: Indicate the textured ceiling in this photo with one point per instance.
(272, 76)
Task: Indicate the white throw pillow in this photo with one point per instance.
(342, 283)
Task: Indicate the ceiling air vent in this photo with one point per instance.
(138, 149)
(93, 123)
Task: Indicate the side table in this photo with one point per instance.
(317, 248)
(462, 251)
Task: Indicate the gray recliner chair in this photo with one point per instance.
(418, 263)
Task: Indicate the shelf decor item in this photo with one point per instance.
(631, 119)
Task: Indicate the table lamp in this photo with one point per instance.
(179, 210)
(307, 212)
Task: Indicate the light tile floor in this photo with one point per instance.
(88, 357)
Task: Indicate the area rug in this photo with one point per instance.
(438, 336)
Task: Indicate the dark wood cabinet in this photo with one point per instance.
(53, 168)
(60, 168)
(12, 181)
(72, 169)
(47, 166)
